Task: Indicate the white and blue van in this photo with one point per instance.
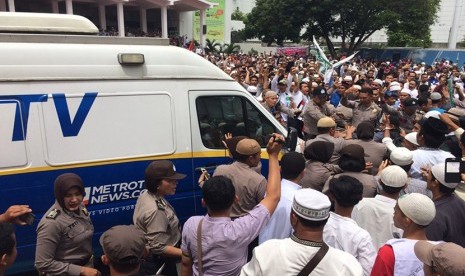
(104, 107)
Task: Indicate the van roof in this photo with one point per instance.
(68, 61)
(23, 22)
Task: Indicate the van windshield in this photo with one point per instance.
(218, 115)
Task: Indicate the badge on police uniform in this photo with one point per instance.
(160, 204)
(53, 214)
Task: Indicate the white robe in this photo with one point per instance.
(287, 257)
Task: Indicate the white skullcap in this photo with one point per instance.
(347, 78)
(394, 87)
(439, 172)
(394, 176)
(306, 80)
(435, 96)
(378, 81)
(401, 156)
(252, 89)
(314, 84)
(412, 138)
(406, 90)
(358, 87)
(417, 207)
(311, 204)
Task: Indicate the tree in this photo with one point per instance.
(238, 15)
(275, 21)
(237, 36)
(212, 45)
(351, 21)
(405, 30)
(230, 48)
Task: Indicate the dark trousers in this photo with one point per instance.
(153, 263)
(297, 124)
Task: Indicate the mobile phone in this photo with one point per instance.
(207, 175)
(27, 218)
(453, 167)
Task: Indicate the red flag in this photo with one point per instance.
(191, 46)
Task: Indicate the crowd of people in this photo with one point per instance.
(375, 188)
(175, 40)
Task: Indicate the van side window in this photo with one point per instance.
(12, 135)
(218, 115)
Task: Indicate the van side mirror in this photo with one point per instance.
(291, 139)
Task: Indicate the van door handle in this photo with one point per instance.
(208, 168)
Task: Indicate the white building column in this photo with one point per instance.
(143, 19)
(55, 8)
(228, 9)
(454, 30)
(202, 26)
(185, 24)
(164, 22)
(102, 17)
(120, 13)
(69, 6)
(11, 6)
(2, 5)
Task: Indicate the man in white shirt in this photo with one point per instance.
(430, 138)
(292, 171)
(310, 212)
(341, 231)
(376, 214)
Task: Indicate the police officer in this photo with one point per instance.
(64, 234)
(408, 115)
(157, 219)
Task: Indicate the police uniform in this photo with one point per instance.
(362, 113)
(313, 113)
(157, 219)
(64, 241)
(406, 122)
(249, 185)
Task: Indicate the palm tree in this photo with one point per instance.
(230, 48)
(213, 46)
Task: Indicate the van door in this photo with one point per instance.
(216, 113)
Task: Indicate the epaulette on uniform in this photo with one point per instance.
(85, 212)
(53, 214)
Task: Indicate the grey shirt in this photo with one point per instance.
(313, 113)
(157, 219)
(448, 224)
(64, 241)
(250, 186)
(338, 142)
(376, 153)
(315, 175)
(362, 113)
(368, 181)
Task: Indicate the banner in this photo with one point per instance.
(214, 21)
(291, 51)
(321, 58)
(329, 73)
